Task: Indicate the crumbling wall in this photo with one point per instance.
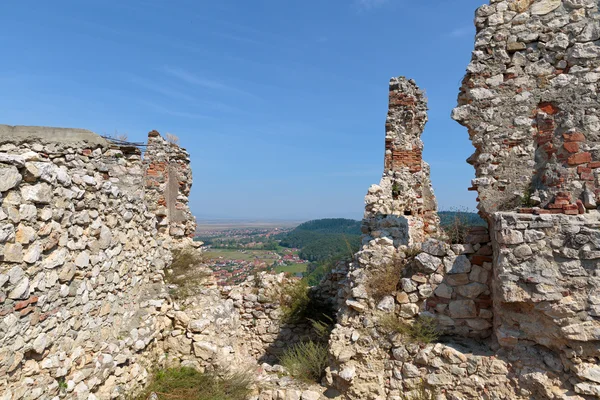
(81, 273)
(168, 181)
(547, 288)
(530, 102)
(400, 214)
(403, 207)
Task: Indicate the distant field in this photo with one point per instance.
(216, 225)
(294, 268)
(248, 255)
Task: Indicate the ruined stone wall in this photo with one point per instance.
(403, 206)
(81, 273)
(530, 102)
(400, 214)
(547, 288)
(168, 181)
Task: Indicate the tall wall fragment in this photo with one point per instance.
(403, 206)
(400, 214)
(168, 181)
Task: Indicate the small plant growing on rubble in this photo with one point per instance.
(420, 393)
(458, 229)
(385, 282)
(395, 189)
(294, 300)
(422, 330)
(306, 360)
(322, 327)
(173, 139)
(185, 383)
(185, 272)
(62, 384)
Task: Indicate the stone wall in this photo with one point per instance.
(81, 273)
(547, 288)
(403, 206)
(400, 214)
(530, 102)
(168, 181)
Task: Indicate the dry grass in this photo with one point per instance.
(294, 301)
(306, 361)
(186, 272)
(422, 330)
(189, 384)
(118, 136)
(458, 230)
(385, 282)
(173, 139)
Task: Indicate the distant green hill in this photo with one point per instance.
(448, 218)
(322, 239)
(331, 225)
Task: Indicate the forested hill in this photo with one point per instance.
(322, 239)
(331, 225)
(448, 218)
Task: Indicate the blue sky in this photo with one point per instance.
(281, 103)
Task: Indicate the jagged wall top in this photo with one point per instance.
(530, 102)
(403, 206)
(45, 135)
(405, 122)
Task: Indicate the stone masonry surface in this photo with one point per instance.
(404, 197)
(82, 259)
(530, 103)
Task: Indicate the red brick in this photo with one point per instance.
(571, 212)
(580, 207)
(583, 168)
(594, 164)
(571, 147)
(580, 158)
(574, 137)
(586, 176)
(26, 311)
(549, 108)
(570, 207)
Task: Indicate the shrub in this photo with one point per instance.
(294, 300)
(322, 326)
(306, 361)
(458, 228)
(420, 393)
(185, 271)
(385, 282)
(423, 330)
(189, 384)
(173, 139)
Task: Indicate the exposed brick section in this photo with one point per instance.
(167, 180)
(406, 175)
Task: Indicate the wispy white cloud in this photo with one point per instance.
(192, 79)
(461, 32)
(180, 114)
(165, 90)
(369, 4)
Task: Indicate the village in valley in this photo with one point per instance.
(235, 253)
